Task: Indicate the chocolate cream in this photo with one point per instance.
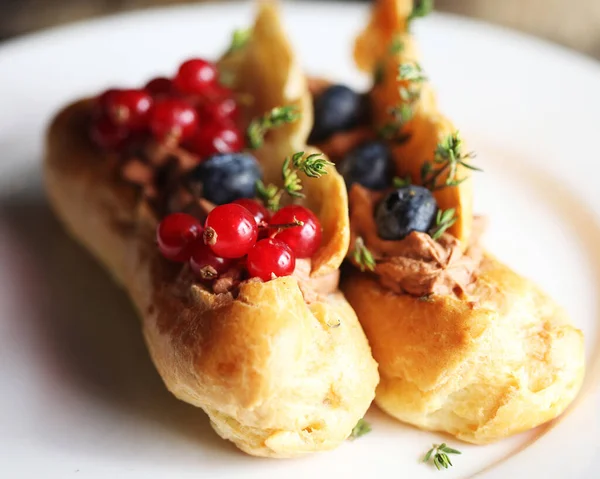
(417, 264)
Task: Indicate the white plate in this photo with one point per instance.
(79, 396)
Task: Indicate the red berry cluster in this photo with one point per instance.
(242, 232)
(192, 110)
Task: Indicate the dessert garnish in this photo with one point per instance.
(398, 182)
(276, 117)
(230, 231)
(176, 235)
(442, 172)
(369, 164)
(421, 8)
(270, 258)
(362, 427)
(242, 234)
(404, 210)
(304, 239)
(192, 110)
(438, 455)
(410, 80)
(397, 45)
(362, 256)
(179, 139)
(239, 39)
(337, 108)
(444, 219)
(225, 177)
(313, 165)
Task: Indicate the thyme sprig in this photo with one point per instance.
(410, 79)
(398, 182)
(274, 118)
(411, 72)
(362, 427)
(444, 219)
(313, 166)
(438, 455)
(239, 39)
(396, 46)
(362, 256)
(269, 194)
(426, 298)
(420, 9)
(447, 158)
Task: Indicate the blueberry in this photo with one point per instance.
(225, 177)
(369, 164)
(338, 108)
(401, 211)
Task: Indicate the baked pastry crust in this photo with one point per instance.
(277, 376)
(499, 362)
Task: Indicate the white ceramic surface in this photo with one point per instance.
(79, 396)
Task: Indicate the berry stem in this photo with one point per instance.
(282, 226)
(210, 236)
(208, 273)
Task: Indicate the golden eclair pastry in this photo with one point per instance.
(281, 366)
(464, 344)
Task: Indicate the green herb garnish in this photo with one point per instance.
(239, 39)
(362, 256)
(276, 117)
(410, 78)
(439, 454)
(448, 157)
(411, 72)
(313, 166)
(443, 220)
(421, 8)
(397, 45)
(270, 195)
(362, 427)
(398, 182)
(291, 181)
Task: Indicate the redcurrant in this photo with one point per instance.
(159, 87)
(230, 231)
(216, 137)
(104, 99)
(219, 109)
(305, 239)
(128, 108)
(270, 258)
(173, 120)
(260, 213)
(176, 235)
(196, 76)
(217, 92)
(205, 263)
(106, 134)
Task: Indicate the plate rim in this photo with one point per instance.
(13, 45)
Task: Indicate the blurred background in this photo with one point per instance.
(573, 23)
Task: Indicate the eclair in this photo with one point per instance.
(464, 344)
(199, 196)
